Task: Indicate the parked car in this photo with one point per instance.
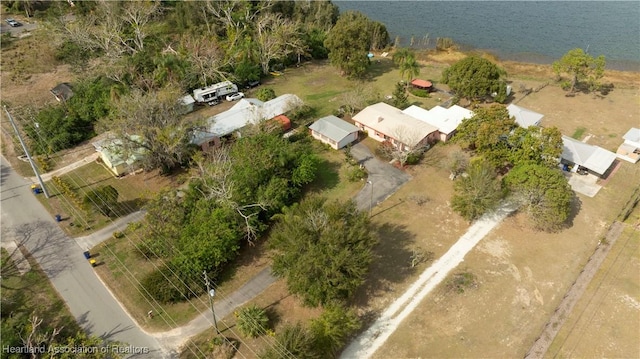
(234, 97)
(13, 23)
(251, 84)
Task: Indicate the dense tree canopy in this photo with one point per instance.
(350, 40)
(543, 192)
(478, 192)
(231, 200)
(487, 132)
(155, 117)
(475, 78)
(323, 249)
(541, 145)
(61, 126)
(580, 66)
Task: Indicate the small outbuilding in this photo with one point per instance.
(422, 84)
(186, 104)
(62, 92)
(630, 149)
(334, 131)
(595, 159)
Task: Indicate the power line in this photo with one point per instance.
(276, 346)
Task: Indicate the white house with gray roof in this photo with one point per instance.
(334, 131)
(594, 158)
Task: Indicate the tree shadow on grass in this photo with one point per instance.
(327, 177)
(127, 207)
(576, 205)
(391, 264)
(377, 68)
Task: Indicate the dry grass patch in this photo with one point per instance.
(604, 322)
(521, 275)
(417, 219)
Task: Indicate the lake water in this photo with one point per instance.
(539, 32)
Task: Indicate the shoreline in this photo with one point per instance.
(625, 79)
(528, 57)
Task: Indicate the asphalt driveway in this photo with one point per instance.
(385, 179)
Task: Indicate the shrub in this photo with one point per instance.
(445, 43)
(331, 330)
(356, 173)
(266, 94)
(461, 281)
(413, 158)
(419, 92)
(252, 321)
(296, 340)
(44, 163)
(171, 285)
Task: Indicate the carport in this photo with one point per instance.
(595, 159)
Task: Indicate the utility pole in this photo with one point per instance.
(26, 151)
(211, 292)
(371, 199)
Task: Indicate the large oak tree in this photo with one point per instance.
(475, 78)
(323, 249)
(543, 192)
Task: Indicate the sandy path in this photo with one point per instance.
(373, 338)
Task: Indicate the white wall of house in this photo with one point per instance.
(348, 139)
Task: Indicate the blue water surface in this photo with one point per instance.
(531, 31)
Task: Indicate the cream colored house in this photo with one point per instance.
(383, 122)
(118, 158)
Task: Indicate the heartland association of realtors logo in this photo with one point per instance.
(62, 349)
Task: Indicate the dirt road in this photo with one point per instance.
(373, 338)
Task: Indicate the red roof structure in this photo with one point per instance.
(422, 84)
(284, 121)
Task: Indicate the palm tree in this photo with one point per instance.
(400, 55)
(409, 68)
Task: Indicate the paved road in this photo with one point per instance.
(386, 179)
(60, 257)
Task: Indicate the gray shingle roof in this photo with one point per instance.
(333, 128)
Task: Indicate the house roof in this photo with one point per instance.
(446, 120)
(115, 151)
(250, 111)
(62, 91)
(333, 127)
(421, 83)
(524, 118)
(394, 123)
(592, 157)
(632, 137)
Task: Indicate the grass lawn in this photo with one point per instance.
(133, 191)
(604, 322)
(320, 85)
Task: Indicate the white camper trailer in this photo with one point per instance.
(214, 92)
